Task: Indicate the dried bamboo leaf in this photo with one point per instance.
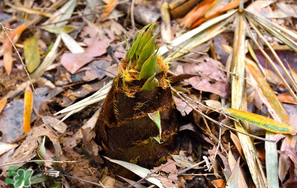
(63, 13)
(140, 171)
(71, 44)
(272, 63)
(166, 23)
(28, 109)
(31, 53)
(238, 101)
(2, 104)
(188, 36)
(199, 39)
(232, 181)
(261, 121)
(275, 29)
(233, 165)
(269, 98)
(271, 162)
(29, 10)
(48, 60)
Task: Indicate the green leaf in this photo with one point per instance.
(131, 52)
(155, 117)
(137, 43)
(150, 84)
(39, 178)
(41, 149)
(145, 38)
(261, 121)
(148, 69)
(31, 53)
(147, 51)
(157, 138)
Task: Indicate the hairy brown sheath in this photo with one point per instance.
(141, 87)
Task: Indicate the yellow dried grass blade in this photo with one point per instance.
(271, 62)
(261, 121)
(277, 111)
(28, 108)
(238, 101)
(29, 10)
(276, 30)
(267, 95)
(278, 60)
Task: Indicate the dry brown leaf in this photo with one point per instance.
(210, 77)
(108, 9)
(4, 147)
(7, 60)
(182, 107)
(220, 183)
(27, 149)
(197, 12)
(14, 36)
(73, 62)
(54, 123)
(286, 98)
(2, 104)
(237, 143)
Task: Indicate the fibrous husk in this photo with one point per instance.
(124, 127)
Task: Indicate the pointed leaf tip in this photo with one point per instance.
(261, 121)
